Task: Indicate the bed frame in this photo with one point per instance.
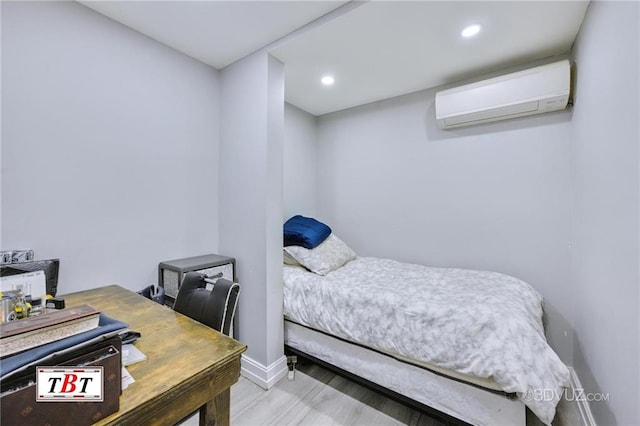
(452, 401)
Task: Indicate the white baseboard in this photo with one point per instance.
(265, 377)
(582, 403)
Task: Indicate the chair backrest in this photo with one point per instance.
(215, 308)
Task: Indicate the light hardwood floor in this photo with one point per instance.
(316, 397)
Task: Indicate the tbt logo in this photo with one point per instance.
(63, 384)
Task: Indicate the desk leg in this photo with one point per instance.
(217, 412)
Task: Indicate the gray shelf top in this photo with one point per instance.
(197, 262)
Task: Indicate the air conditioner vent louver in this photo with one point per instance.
(541, 89)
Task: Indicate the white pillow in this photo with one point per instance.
(331, 254)
(288, 259)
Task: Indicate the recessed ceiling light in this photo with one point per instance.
(470, 31)
(327, 80)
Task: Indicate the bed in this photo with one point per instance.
(469, 344)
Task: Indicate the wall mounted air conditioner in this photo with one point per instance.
(541, 89)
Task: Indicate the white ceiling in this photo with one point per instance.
(375, 50)
(385, 49)
(217, 33)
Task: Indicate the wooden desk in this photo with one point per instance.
(189, 366)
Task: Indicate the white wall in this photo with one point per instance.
(300, 163)
(493, 197)
(109, 146)
(251, 153)
(606, 209)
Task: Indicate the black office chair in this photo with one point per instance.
(215, 308)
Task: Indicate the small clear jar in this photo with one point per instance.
(36, 308)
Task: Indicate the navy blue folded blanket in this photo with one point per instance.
(305, 231)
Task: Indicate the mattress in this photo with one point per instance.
(458, 399)
(484, 383)
(480, 324)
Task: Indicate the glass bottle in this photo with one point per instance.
(21, 309)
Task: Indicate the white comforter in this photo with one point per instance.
(481, 323)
